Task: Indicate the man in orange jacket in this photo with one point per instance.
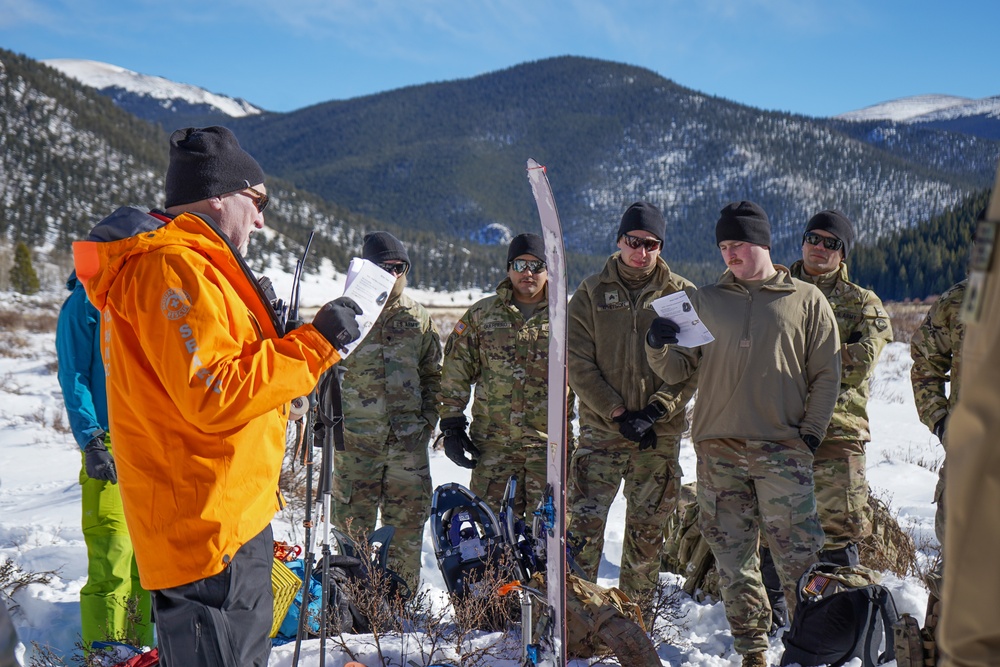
(199, 378)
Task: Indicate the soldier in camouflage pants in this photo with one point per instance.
(769, 383)
(839, 463)
(390, 410)
(936, 349)
(864, 328)
(501, 345)
(630, 420)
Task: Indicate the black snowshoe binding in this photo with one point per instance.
(467, 539)
(352, 572)
(528, 559)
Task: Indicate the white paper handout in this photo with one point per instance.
(678, 307)
(369, 286)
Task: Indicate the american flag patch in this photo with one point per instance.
(461, 327)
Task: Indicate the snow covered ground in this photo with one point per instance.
(40, 504)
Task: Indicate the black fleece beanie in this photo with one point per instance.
(835, 223)
(382, 247)
(642, 216)
(743, 221)
(526, 244)
(207, 162)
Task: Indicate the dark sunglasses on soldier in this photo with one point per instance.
(260, 200)
(395, 268)
(828, 242)
(636, 242)
(522, 265)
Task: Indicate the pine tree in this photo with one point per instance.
(22, 275)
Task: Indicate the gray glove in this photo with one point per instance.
(98, 461)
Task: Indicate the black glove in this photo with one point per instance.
(98, 461)
(662, 332)
(812, 442)
(648, 440)
(457, 442)
(338, 323)
(854, 338)
(939, 429)
(637, 424)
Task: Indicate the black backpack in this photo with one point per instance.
(842, 613)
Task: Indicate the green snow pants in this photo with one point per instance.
(112, 575)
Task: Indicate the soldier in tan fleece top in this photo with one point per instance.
(768, 384)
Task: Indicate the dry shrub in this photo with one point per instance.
(889, 548)
(43, 322)
(13, 578)
(906, 318)
(445, 318)
(16, 319)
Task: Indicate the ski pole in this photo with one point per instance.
(307, 464)
(334, 440)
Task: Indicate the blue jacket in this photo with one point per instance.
(81, 370)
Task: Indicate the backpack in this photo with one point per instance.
(915, 647)
(842, 613)
(349, 573)
(686, 552)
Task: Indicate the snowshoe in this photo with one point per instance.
(466, 537)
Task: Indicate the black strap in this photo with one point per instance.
(883, 598)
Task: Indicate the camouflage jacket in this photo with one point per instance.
(865, 330)
(606, 350)
(936, 348)
(393, 376)
(506, 358)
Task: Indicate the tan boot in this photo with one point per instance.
(754, 660)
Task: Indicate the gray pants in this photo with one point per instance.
(224, 620)
(8, 639)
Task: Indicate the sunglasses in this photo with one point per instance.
(828, 243)
(260, 200)
(522, 265)
(395, 268)
(636, 242)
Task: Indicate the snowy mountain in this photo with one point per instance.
(988, 107)
(906, 109)
(71, 156)
(980, 118)
(152, 97)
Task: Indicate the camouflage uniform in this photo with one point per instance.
(936, 349)
(608, 369)
(839, 463)
(775, 344)
(389, 392)
(506, 358)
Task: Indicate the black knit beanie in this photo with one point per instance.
(835, 223)
(380, 247)
(526, 244)
(642, 216)
(743, 221)
(207, 162)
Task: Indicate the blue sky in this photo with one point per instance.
(815, 57)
